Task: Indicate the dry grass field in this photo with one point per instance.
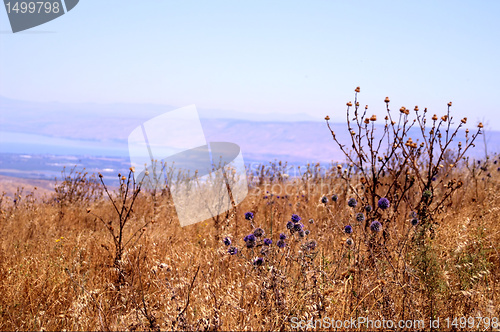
(422, 243)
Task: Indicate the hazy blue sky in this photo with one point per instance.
(262, 56)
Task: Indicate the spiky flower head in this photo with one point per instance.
(295, 218)
(324, 200)
(227, 241)
(282, 236)
(348, 229)
(232, 250)
(258, 261)
(368, 208)
(249, 238)
(334, 198)
(258, 232)
(297, 227)
(281, 244)
(414, 221)
(289, 225)
(383, 203)
(349, 242)
(360, 217)
(352, 202)
(375, 226)
(249, 216)
(268, 242)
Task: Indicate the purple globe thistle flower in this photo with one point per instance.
(298, 227)
(277, 197)
(311, 221)
(383, 203)
(258, 261)
(334, 198)
(311, 245)
(227, 241)
(265, 197)
(349, 242)
(282, 236)
(268, 242)
(368, 208)
(434, 178)
(360, 217)
(249, 216)
(348, 229)
(302, 233)
(289, 225)
(352, 202)
(413, 214)
(258, 232)
(232, 250)
(296, 218)
(375, 226)
(249, 238)
(414, 221)
(307, 232)
(324, 200)
(281, 244)
(250, 244)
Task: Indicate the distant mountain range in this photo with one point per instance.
(102, 130)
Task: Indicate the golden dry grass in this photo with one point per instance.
(57, 270)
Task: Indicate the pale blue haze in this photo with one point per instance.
(262, 56)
